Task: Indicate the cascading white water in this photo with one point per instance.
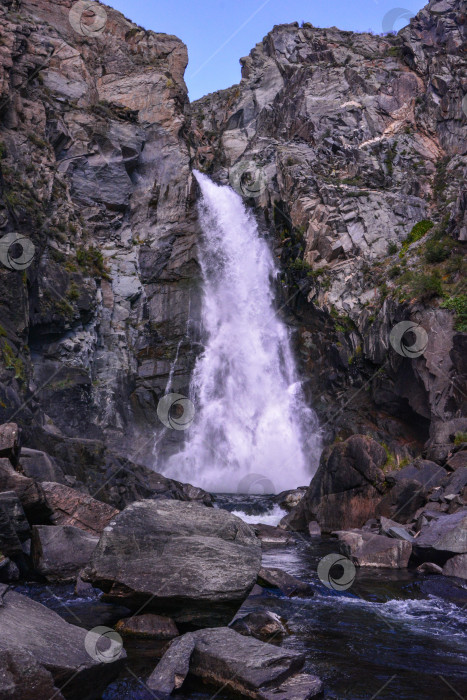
(252, 429)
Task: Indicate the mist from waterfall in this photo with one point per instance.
(252, 431)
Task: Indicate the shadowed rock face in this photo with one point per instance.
(193, 563)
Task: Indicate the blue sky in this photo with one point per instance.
(218, 33)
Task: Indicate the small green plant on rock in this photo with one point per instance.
(458, 304)
(417, 232)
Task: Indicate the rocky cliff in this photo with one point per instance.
(350, 148)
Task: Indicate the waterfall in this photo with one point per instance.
(252, 431)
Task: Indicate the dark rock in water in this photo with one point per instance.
(263, 625)
(346, 488)
(147, 626)
(10, 441)
(23, 678)
(441, 537)
(428, 567)
(193, 563)
(402, 501)
(57, 646)
(245, 665)
(71, 507)
(456, 566)
(366, 549)
(288, 584)
(40, 466)
(270, 535)
(60, 552)
(28, 491)
(290, 499)
(173, 668)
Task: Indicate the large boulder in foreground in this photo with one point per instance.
(367, 549)
(345, 490)
(58, 647)
(244, 665)
(193, 563)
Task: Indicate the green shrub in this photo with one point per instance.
(394, 271)
(460, 438)
(437, 251)
(425, 285)
(392, 247)
(417, 232)
(458, 304)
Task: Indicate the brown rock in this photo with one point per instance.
(456, 566)
(71, 507)
(366, 549)
(29, 493)
(147, 626)
(276, 578)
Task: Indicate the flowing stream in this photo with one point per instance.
(252, 430)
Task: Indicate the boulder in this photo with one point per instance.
(9, 572)
(173, 668)
(442, 536)
(71, 507)
(366, 549)
(147, 626)
(392, 529)
(10, 436)
(60, 552)
(56, 645)
(272, 536)
(40, 466)
(428, 474)
(263, 625)
(429, 567)
(288, 584)
(194, 563)
(243, 665)
(402, 501)
(455, 483)
(23, 678)
(11, 505)
(290, 499)
(457, 460)
(29, 493)
(456, 566)
(346, 488)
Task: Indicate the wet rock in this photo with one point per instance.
(147, 626)
(346, 488)
(429, 567)
(71, 507)
(57, 646)
(244, 665)
(10, 441)
(288, 584)
(28, 491)
(456, 566)
(173, 668)
(60, 552)
(195, 564)
(289, 499)
(270, 535)
(263, 625)
(367, 549)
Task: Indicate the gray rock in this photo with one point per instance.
(302, 686)
(60, 552)
(272, 536)
(173, 668)
(442, 536)
(41, 466)
(289, 499)
(288, 584)
(314, 529)
(9, 572)
(427, 473)
(403, 500)
(57, 646)
(459, 459)
(71, 507)
(367, 549)
(28, 491)
(263, 625)
(429, 567)
(147, 626)
(10, 441)
(11, 504)
(393, 529)
(23, 678)
(455, 483)
(456, 566)
(195, 564)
